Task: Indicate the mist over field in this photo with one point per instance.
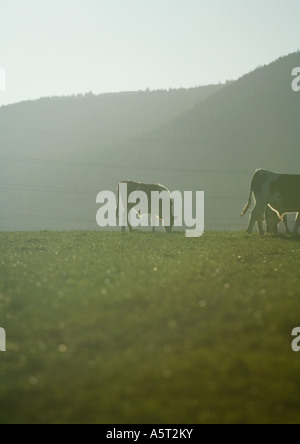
(58, 153)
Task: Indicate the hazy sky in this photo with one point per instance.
(62, 47)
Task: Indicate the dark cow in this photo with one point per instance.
(147, 189)
(280, 191)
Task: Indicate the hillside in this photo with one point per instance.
(259, 113)
(83, 130)
(251, 123)
(57, 154)
(105, 116)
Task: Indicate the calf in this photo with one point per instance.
(273, 219)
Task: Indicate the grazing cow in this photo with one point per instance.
(147, 189)
(280, 191)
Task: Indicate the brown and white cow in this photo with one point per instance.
(280, 191)
(148, 189)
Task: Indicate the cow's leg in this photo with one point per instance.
(257, 215)
(129, 208)
(123, 226)
(297, 225)
(260, 226)
(153, 223)
(286, 223)
(129, 226)
(251, 223)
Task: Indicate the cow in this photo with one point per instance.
(147, 189)
(280, 191)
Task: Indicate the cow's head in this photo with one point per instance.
(273, 219)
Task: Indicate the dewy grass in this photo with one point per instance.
(139, 328)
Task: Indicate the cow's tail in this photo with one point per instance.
(248, 205)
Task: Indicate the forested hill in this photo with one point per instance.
(254, 120)
(53, 147)
(122, 115)
(217, 145)
(56, 154)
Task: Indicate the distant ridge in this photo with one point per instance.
(209, 138)
(126, 114)
(259, 113)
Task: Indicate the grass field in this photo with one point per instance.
(111, 328)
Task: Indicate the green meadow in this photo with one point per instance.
(141, 328)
